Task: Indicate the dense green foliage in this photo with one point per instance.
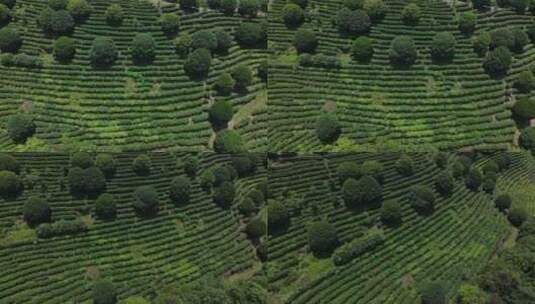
(105, 206)
(143, 48)
(322, 238)
(103, 52)
(20, 127)
(362, 49)
(64, 49)
(146, 202)
(328, 128)
(36, 211)
(179, 190)
(403, 51)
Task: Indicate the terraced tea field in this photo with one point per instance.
(180, 245)
(456, 240)
(425, 106)
(126, 106)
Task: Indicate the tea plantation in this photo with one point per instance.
(142, 93)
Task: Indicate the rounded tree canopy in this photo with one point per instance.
(404, 165)
(114, 14)
(527, 138)
(249, 34)
(422, 199)
(104, 293)
(328, 128)
(498, 61)
(106, 163)
(224, 40)
(376, 9)
(362, 192)
(20, 127)
(354, 4)
(143, 48)
(228, 7)
(322, 238)
(191, 165)
(10, 184)
(301, 3)
(517, 216)
(228, 141)
(403, 51)
(433, 292)
(224, 84)
(82, 160)
(248, 8)
(256, 228)
(362, 49)
(305, 41)
(278, 216)
(502, 37)
(353, 22)
(244, 164)
(36, 211)
(220, 113)
(391, 213)
(57, 4)
(103, 52)
(64, 49)
(10, 40)
(204, 39)
(94, 181)
(292, 15)
(411, 14)
(105, 207)
(347, 170)
(142, 165)
(467, 22)
(525, 82)
(243, 76)
(224, 194)
(5, 15)
(503, 202)
(146, 202)
(444, 183)
(179, 190)
(79, 9)
(170, 23)
(443, 46)
(525, 108)
(198, 63)
(56, 22)
(474, 178)
(9, 163)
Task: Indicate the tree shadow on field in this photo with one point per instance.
(278, 231)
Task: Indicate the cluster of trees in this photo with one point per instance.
(361, 186)
(237, 80)
(246, 8)
(11, 184)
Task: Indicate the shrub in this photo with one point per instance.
(441, 159)
(262, 70)
(305, 41)
(20, 127)
(224, 84)
(183, 45)
(103, 52)
(224, 194)
(10, 184)
(391, 213)
(105, 206)
(376, 9)
(517, 216)
(249, 34)
(518, 6)
(179, 190)
(467, 22)
(498, 61)
(224, 41)
(228, 7)
(320, 60)
(170, 23)
(411, 14)
(76, 180)
(474, 178)
(244, 164)
(114, 14)
(191, 165)
(247, 206)
(404, 165)
(481, 43)
(422, 199)
(207, 179)
(525, 82)
(444, 183)
(94, 181)
(471, 294)
(524, 108)
(362, 192)
(403, 51)
(222, 174)
(188, 5)
(142, 165)
(520, 40)
(322, 238)
(358, 246)
(248, 8)
(243, 76)
(36, 211)
(489, 184)
(502, 37)
(278, 217)
(353, 22)
(433, 292)
(56, 22)
(5, 15)
(81, 159)
(104, 293)
(348, 170)
(503, 202)
(256, 228)
(228, 141)
(9, 163)
(328, 128)
(204, 39)
(362, 49)
(292, 15)
(443, 46)
(106, 163)
(79, 9)
(220, 113)
(481, 4)
(10, 40)
(146, 201)
(527, 138)
(23, 60)
(61, 227)
(64, 49)
(257, 196)
(198, 63)
(143, 48)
